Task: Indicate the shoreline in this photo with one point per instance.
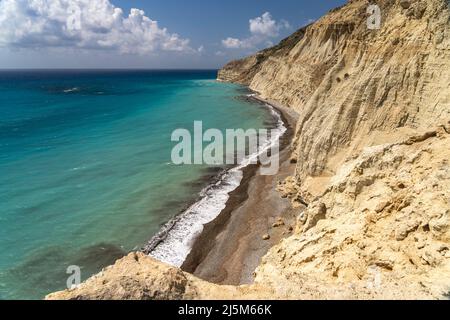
(230, 247)
(175, 241)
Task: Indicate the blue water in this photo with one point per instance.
(85, 173)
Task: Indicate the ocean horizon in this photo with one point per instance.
(86, 172)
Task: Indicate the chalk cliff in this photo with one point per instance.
(372, 151)
(349, 82)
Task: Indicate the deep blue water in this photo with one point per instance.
(85, 172)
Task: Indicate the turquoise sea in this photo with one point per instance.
(85, 165)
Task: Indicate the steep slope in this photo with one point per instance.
(348, 82)
(383, 221)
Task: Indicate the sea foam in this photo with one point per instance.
(175, 240)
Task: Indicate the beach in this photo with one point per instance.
(231, 246)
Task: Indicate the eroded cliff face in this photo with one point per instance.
(383, 224)
(372, 148)
(348, 82)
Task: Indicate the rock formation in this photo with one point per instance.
(372, 150)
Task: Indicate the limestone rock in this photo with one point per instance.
(387, 91)
(404, 230)
(139, 277)
(440, 227)
(309, 219)
(401, 232)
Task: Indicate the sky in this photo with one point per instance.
(148, 34)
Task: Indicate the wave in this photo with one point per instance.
(175, 240)
(75, 89)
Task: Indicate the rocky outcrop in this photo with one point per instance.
(372, 150)
(139, 277)
(384, 220)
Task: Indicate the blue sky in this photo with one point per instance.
(170, 34)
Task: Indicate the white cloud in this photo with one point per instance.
(265, 26)
(83, 24)
(233, 43)
(220, 53)
(262, 29)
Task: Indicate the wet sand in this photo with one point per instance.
(230, 248)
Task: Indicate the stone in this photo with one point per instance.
(314, 214)
(441, 226)
(278, 223)
(405, 229)
(381, 206)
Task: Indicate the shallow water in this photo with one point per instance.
(85, 173)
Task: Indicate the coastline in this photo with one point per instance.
(216, 246)
(230, 247)
(373, 131)
(226, 190)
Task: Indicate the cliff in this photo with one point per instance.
(372, 162)
(349, 82)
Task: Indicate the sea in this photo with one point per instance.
(86, 174)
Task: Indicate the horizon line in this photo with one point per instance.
(110, 69)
